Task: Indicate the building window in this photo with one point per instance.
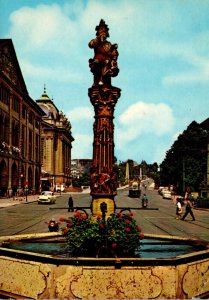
(24, 111)
(31, 117)
(30, 145)
(37, 124)
(42, 151)
(15, 104)
(23, 141)
(37, 148)
(15, 134)
(4, 95)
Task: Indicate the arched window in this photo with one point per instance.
(14, 178)
(3, 178)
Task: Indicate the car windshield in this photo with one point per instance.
(46, 193)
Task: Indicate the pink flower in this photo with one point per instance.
(127, 229)
(114, 245)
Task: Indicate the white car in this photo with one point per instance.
(166, 194)
(47, 197)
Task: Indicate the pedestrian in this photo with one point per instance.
(70, 204)
(178, 208)
(144, 201)
(188, 205)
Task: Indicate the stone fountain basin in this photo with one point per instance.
(42, 276)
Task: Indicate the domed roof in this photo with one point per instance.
(47, 105)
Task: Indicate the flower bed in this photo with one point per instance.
(119, 235)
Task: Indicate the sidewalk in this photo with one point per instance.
(6, 202)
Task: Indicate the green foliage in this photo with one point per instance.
(119, 235)
(84, 180)
(185, 164)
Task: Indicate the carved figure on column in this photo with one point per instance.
(104, 64)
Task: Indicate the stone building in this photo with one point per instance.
(20, 127)
(56, 144)
(35, 138)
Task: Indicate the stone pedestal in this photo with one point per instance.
(103, 173)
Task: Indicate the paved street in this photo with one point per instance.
(159, 218)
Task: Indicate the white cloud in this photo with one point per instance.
(44, 28)
(80, 114)
(147, 117)
(141, 119)
(49, 72)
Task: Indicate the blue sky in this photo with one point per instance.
(163, 60)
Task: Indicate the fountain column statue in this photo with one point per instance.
(103, 97)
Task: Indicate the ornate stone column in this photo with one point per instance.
(103, 97)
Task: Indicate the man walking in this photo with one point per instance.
(188, 205)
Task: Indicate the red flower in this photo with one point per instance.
(69, 224)
(99, 217)
(114, 245)
(77, 214)
(127, 229)
(65, 231)
(84, 216)
(141, 236)
(131, 214)
(62, 219)
(139, 229)
(127, 222)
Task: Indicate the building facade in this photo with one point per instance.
(35, 137)
(20, 128)
(80, 166)
(56, 144)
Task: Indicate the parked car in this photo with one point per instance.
(160, 189)
(166, 194)
(47, 197)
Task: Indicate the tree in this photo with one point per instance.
(185, 164)
(84, 180)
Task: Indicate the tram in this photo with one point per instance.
(135, 188)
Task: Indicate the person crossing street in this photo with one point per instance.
(188, 210)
